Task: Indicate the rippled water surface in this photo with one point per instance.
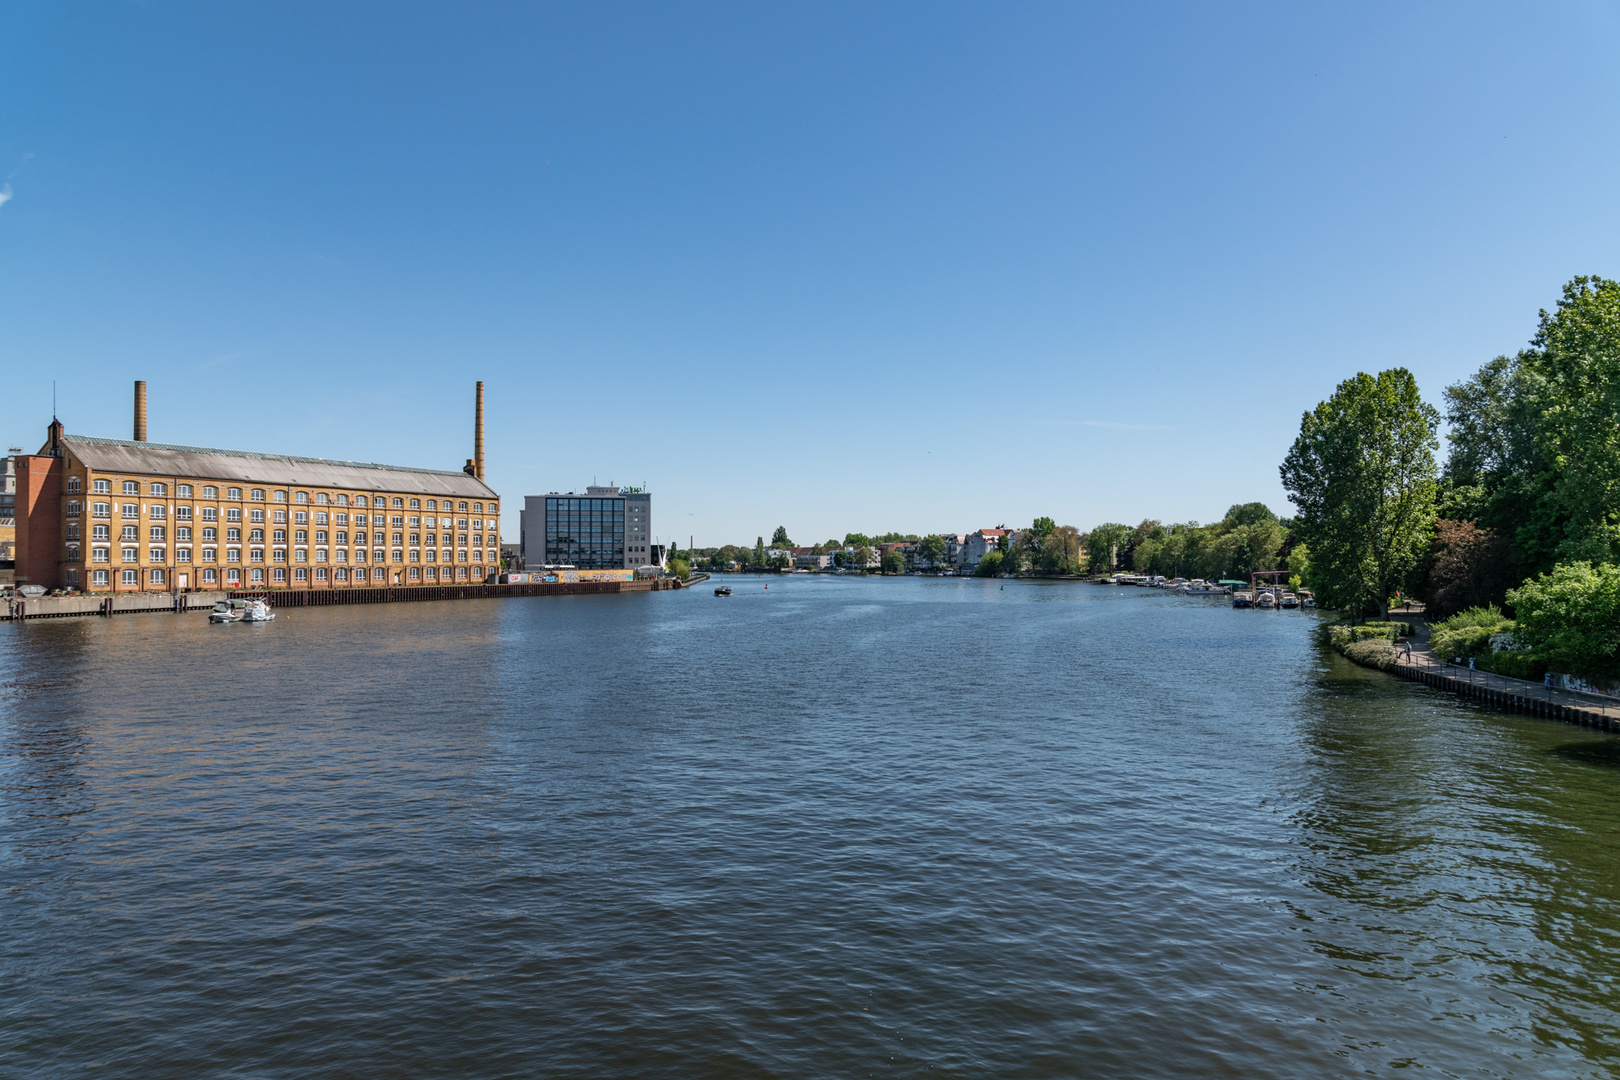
(830, 828)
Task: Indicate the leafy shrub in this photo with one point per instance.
(1571, 617)
(990, 565)
(1516, 664)
(1468, 633)
(1373, 652)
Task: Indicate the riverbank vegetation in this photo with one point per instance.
(1516, 539)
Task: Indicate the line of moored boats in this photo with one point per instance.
(1271, 597)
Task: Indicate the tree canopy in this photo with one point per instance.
(1362, 473)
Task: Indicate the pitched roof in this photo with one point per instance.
(203, 463)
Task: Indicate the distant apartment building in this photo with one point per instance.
(606, 528)
(980, 543)
(8, 507)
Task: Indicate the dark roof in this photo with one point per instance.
(245, 466)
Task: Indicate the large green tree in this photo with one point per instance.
(779, 538)
(1363, 475)
(932, 548)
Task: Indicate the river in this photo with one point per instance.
(828, 828)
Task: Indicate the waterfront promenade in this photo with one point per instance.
(1517, 695)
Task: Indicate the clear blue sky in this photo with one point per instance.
(924, 267)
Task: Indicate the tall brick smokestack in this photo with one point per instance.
(478, 436)
(140, 410)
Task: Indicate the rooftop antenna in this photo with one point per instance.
(53, 399)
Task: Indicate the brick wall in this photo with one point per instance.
(39, 520)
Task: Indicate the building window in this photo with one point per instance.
(233, 577)
(302, 497)
(360, 500)
(416, 504)
(280, 496)
(210, 491)
(416, 574)
(461, 573)
(300, 517)
(132, 487)
(157, 534)
(130, 555)
(320, 554)
(233, 493)
(72, 553)
(72, 578)
(73, 485)
(157, 511)
(233, 536)
(321, 499)
(258, 496)
(157, 576)
(340, 574)
(131, 577)
(101, 510)
(158, 489)
(342, 500)
(463, 510)
(99, 577)
(256, 536)
(233, 554)
(210, 513)
(256, 554)
(399, 504)
(320, 517)
(182, 532)
(279, 535)
(183, 513)
(233, 514)
(155, 555)
(130, 510)
(100, 487)
(300, 555)
(256, 516)
(182, 491)
(416, 556)
(210, 534)
(359, 575)
(301, 574)
(210, 576)
(210, 555)
(399, 556)
(72, 509)
(280, 517)
(182, 555)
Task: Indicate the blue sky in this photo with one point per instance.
(922, 267)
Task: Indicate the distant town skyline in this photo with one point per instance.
(915, 268)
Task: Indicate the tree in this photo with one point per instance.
(893, 562)
(1250, 514)
(1104, 543)
(759, 551)
(1362, 473)
(857, 540)
(931, 548)
(1468, 567)
(990, 564)
(1571, 617)
(680, 568)
(779, 538)
(1576, 352)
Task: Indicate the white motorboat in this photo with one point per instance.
(257, 611)
(227, 611)
(1264, 599)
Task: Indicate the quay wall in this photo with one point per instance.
(56, 607)
(1525, 700)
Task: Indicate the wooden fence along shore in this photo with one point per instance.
(57, 607)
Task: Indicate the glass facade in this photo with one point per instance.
(585, 532)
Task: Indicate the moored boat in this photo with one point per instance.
(1242, 598)
(1264, 599)
(1307, 598)
(724, 590)
(257, 611)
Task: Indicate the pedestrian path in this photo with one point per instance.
(1515, 694)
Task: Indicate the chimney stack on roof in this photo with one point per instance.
(140, 410)
(478, 436)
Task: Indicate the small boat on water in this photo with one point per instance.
(228, 611)
(1307, 599)
(724, 590)
(1264, 599)
(1289, 600)
(1243, 598)
(257, 611)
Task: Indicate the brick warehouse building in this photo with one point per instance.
(127, 515)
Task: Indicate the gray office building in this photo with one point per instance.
(606, 528)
